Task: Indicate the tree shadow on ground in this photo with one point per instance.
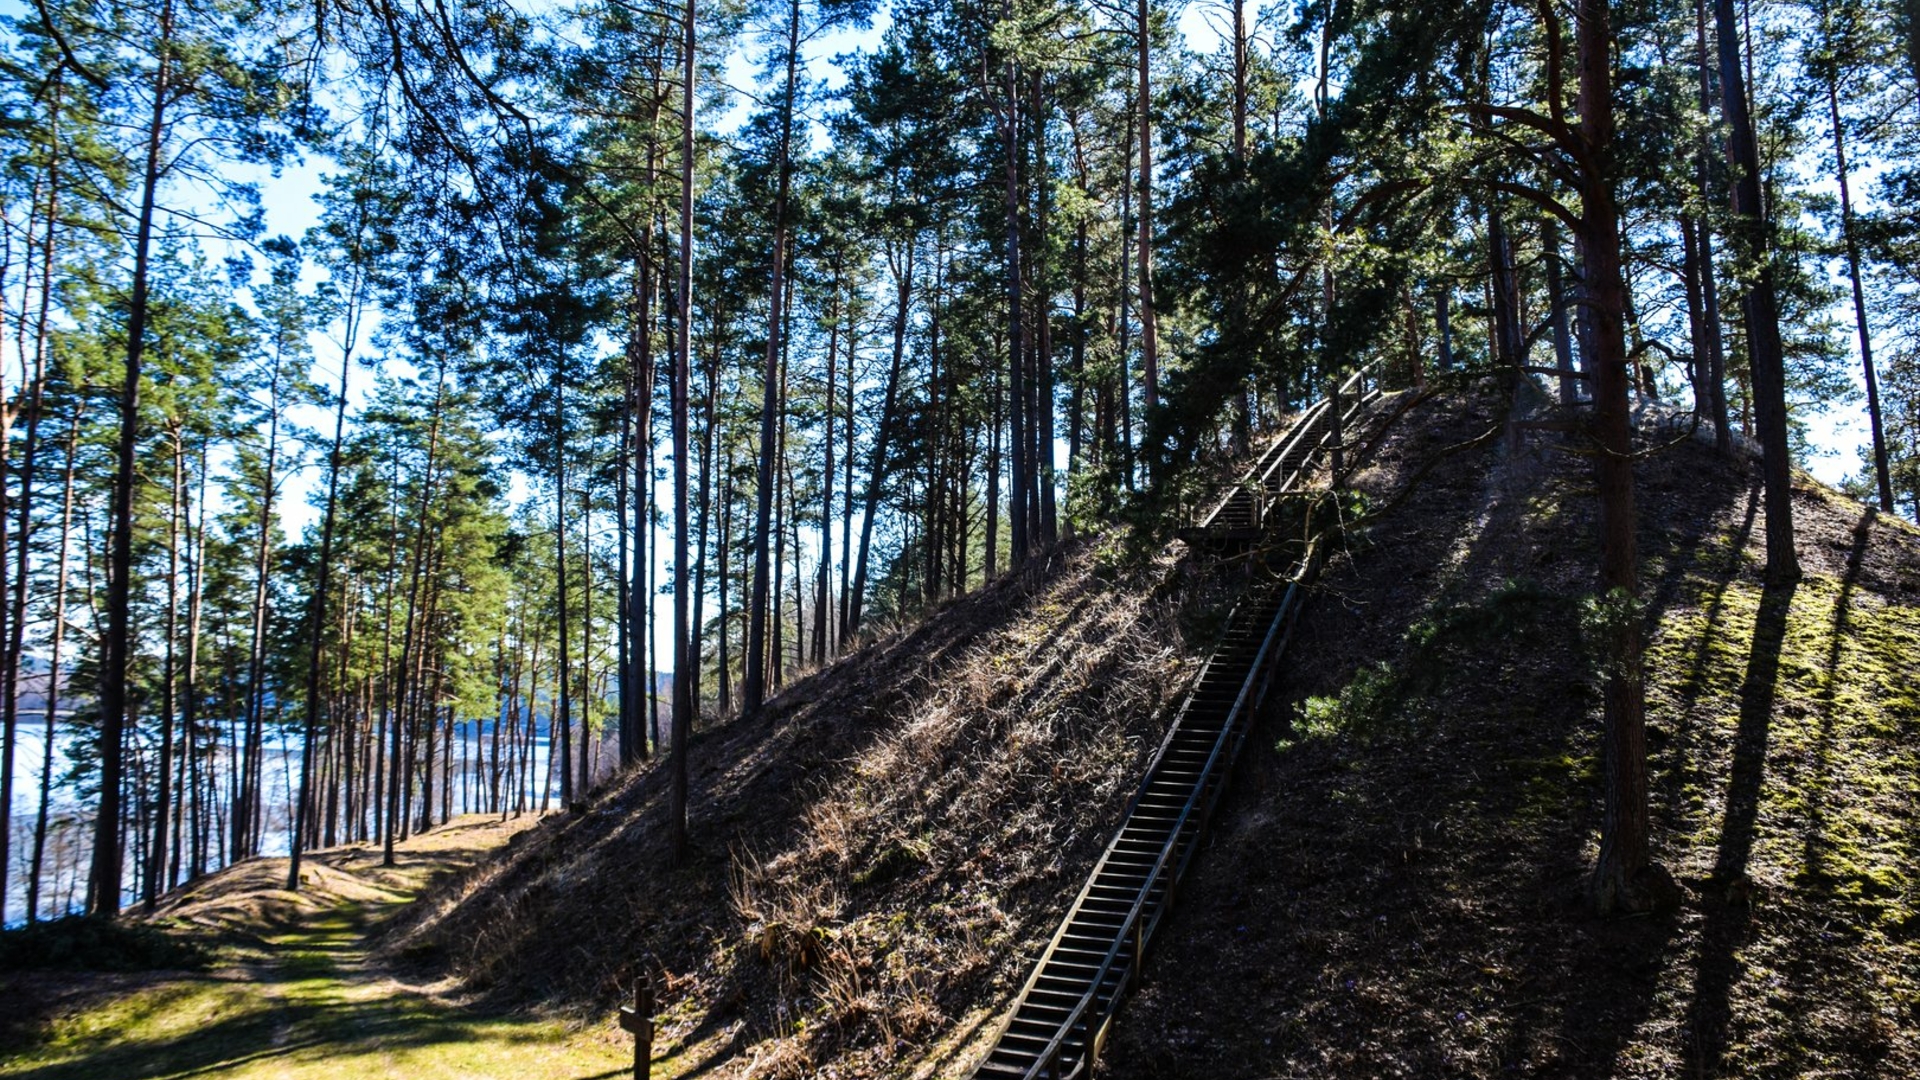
(1729, 916)
(274, 1030)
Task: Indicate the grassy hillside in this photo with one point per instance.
(876, 853)
(1392, 888)
(1395, 885)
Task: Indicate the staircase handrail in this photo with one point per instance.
(1049, 1057)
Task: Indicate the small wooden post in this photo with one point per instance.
(638, 1019)
(1339, 435)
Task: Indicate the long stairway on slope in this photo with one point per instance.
(1068, 1003)
(1241, 513)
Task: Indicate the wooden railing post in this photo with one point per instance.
(1336, 410)
(638, 1019)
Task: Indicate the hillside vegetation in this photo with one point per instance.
(877, 853)
(1394, 886)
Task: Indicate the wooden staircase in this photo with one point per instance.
(1061, 1019)
(1241, 514)
(1068, 1003)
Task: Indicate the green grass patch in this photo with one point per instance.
(292, 995)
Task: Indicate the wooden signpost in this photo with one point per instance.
(637, 1018)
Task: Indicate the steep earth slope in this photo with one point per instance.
(875, 854)
(1394, 885)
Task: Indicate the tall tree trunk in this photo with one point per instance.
(776, 653)
(1620, 876)
(1562, 332)
(400, 761)
(16, 623)
(103, 884)
(1017, 477)
(703, 499)
(248, 816)
(1509, 335)
(637, 618)
(1149, 320)
(1241, 57)
(723, 619)
(586, 648)
(625, 596)
(190, 713)
(682, 722)
(877, 462)
(651, 579)
(1716, 378)
(1766, 359)
(157, 850)
(1077, 365)
(1042, 422)
(1880, 472)
(1701, 369)
(991, 564)
(38, 864)
(753, 687)
(822, 592)
(1123, 381)
(563, 723)
(846, 487)
(318, 624)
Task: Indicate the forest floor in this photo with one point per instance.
(292, 989)
(1394, 886)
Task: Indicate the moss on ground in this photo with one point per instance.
(1396, 885)
(1792, 783)
(291, 994)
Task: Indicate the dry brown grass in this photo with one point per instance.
(876, 854)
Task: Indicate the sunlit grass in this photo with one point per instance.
(302, 1002)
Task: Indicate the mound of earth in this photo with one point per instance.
(877, 854)
(1394, 885)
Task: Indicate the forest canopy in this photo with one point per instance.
(641, 355)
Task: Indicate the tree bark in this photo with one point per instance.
(103, 883)
(16, 624)
(562, 727)
(1852, 241)
(753, 687)
(682, 716)
(1562, 332)
(1766, 360)
(1709, 276)
(1619, 878)
(400, 762)
(317, 626)
(157, 850)
(1042, 423)
(876, 464)
(1017, 517)
(38, 864)
(822, 593)
(1149, 321)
